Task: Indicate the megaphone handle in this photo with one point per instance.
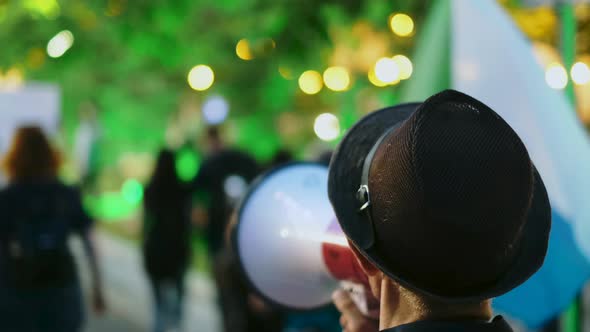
(362, 297)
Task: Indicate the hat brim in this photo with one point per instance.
(344, 180)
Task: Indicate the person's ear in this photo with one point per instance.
(368, 267)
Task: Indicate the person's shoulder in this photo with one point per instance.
(497, 324)
(61, 188)
(228, 153)
(11, 189)
(238, 157)
(6, 191)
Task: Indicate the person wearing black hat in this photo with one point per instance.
(444, 209)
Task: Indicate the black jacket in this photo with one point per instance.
(210, 183)
(166, 232)
(498, 324)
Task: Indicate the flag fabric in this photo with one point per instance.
(490, 59)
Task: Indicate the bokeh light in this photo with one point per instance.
(386, 71)
(132, 191)
(243, 50)
(109, 206)
(310, 82)
(215, 110)
(337, 78)
(201, 77)
(374, 80)
(404, 65)
(580, 73)
(327, 127)
(401, 24)
(60, 43)
(556, 76)
(187, 164)
(48, 8)
(235, 187)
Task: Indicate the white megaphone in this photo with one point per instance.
(290, 246)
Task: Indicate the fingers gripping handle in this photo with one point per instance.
(362, 297)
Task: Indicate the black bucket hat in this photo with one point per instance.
(442, 197)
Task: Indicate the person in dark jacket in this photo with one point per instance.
(221, 182)
(166, 241)
(39, 286)
(444, 210)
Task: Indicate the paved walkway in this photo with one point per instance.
(128, 297)
(129, 300)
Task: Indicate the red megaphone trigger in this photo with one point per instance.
(344, 266)
(339, 258)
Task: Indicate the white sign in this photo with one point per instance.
(34, 104)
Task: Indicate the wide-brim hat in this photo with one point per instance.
(350, 173)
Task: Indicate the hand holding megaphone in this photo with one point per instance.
(344, 266)
(351, 318)
(290, 245)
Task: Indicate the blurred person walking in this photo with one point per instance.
(86, 147)
(39, 286)
(219, 185)
(166, 241)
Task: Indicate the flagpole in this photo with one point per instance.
(572, 319)
(568, 26)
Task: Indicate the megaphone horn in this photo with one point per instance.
(289, 244)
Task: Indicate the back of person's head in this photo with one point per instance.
(214, 140)
(164, 181)
(165, 169)
(31, 156)
(213, 133)
(282, 156)
(443, 199)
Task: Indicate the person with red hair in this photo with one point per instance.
(39, 286)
